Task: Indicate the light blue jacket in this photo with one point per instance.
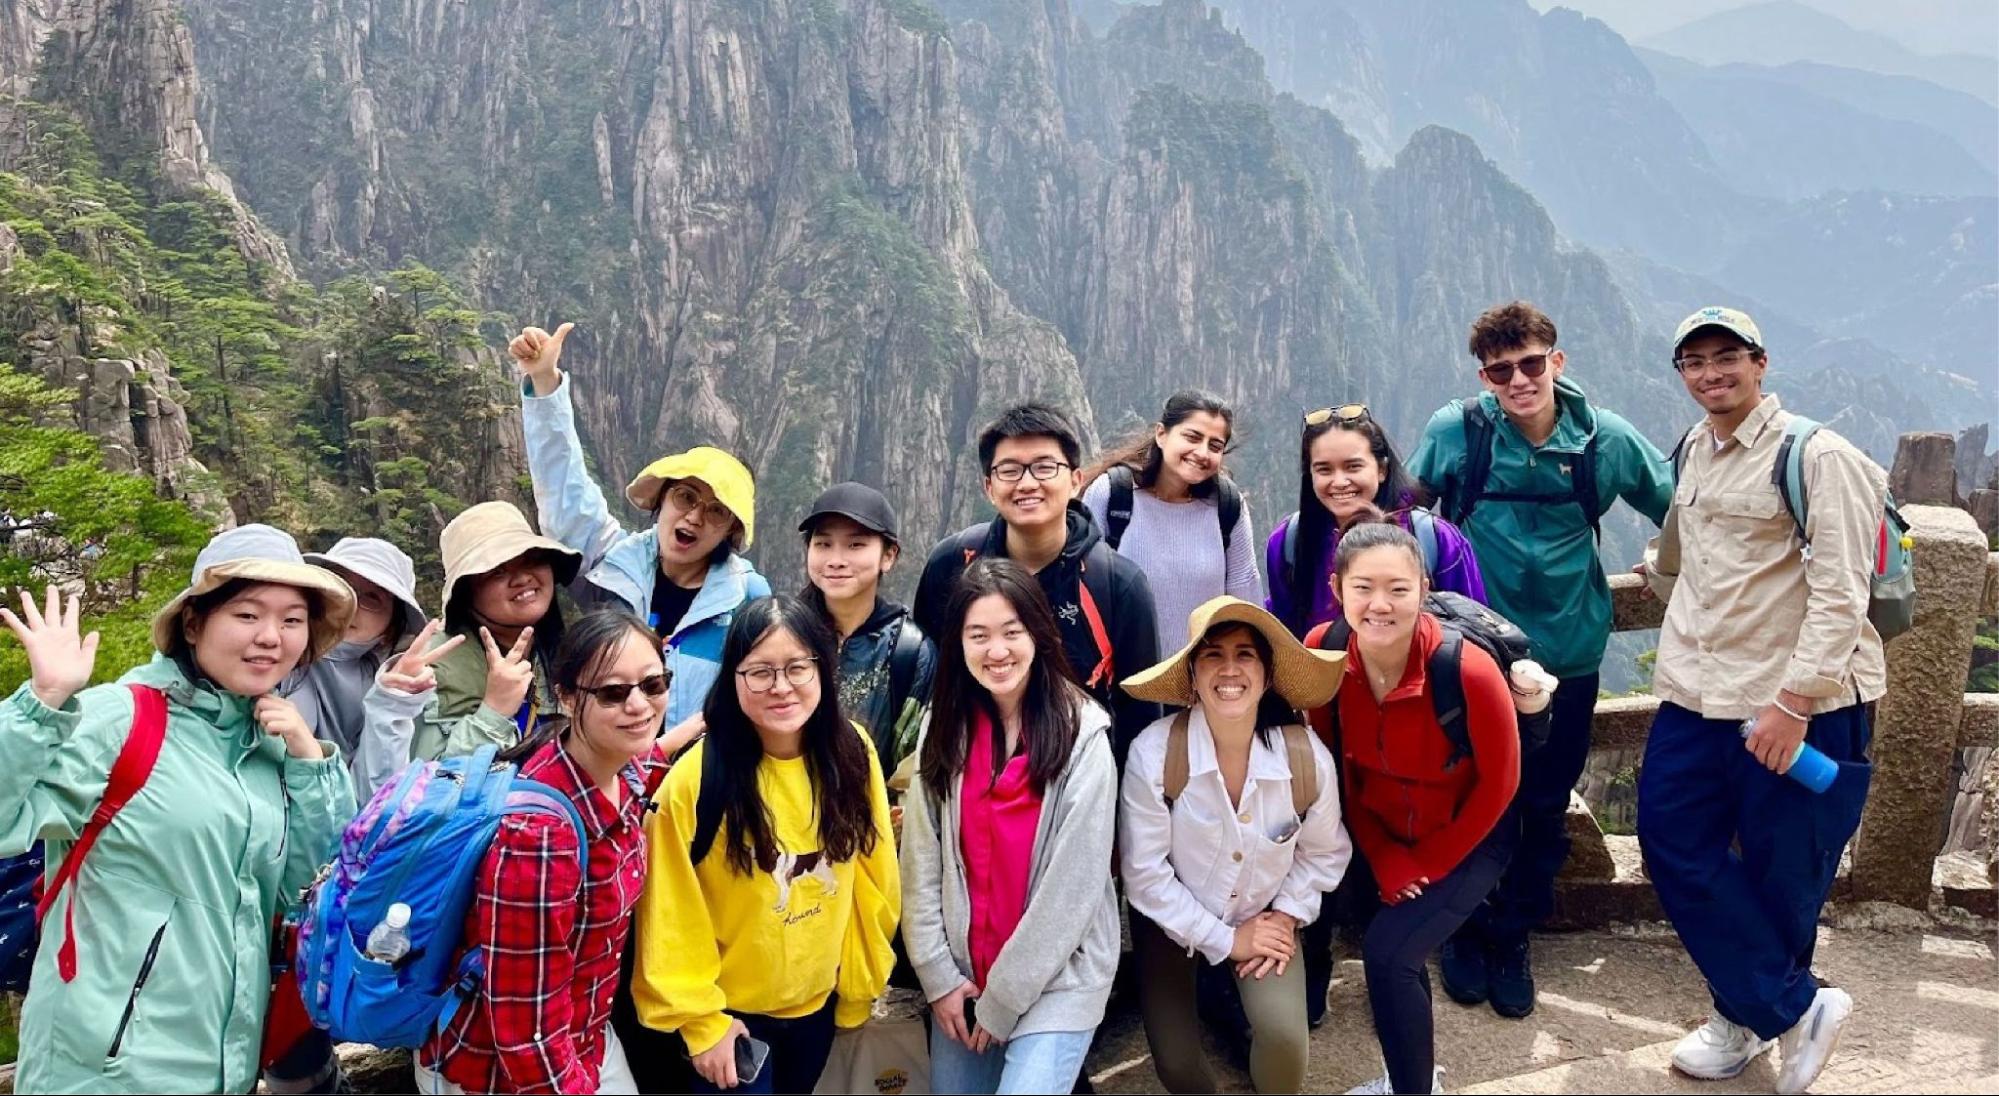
(620, 566)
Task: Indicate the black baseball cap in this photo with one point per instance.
(857, 502)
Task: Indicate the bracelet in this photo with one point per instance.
(1799, 716)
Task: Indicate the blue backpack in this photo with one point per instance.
(419, 841)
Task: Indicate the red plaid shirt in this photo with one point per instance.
(553, 937)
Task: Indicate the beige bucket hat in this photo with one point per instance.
(1304, 678)
(260, 553)
(488, 535)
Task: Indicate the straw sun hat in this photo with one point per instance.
(1304, 678)
(260, 553)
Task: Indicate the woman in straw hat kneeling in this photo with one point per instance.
(1229, 834)
(154, 972)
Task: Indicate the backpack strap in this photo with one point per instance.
(903, 656)
(1447, 693)
(1788, 473)
(1117, 514)
(707, 806)
(1173, 778)
(1228, 504)
(1304, 768)
(1289, 555)
(1103, 672)
(128, 775)
(1582, 482)
(1423, 524)
(1478, 464)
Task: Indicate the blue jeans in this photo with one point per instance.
(1046, 1061)
(1749, 919)
(1526, 893)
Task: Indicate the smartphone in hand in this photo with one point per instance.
(751, 1054)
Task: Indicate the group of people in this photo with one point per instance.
(787, 803)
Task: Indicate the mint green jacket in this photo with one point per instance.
(173, 907)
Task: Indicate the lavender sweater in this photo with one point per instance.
(1457, 571)
(1179, 547)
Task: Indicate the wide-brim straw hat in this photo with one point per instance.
(728, 477)
(488, 535)
(1303, 677)
(260, 553)
(381, 563)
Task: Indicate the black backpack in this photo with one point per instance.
(1463, 619)
(1461, 497)
(1117, 515)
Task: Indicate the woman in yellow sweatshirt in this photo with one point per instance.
(772, 893)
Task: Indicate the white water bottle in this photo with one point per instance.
(389, 941)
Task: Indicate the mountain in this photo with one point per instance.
(1780, 140)
(1925, 26)
(1776, 32)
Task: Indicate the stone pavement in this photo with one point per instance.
(1613, 1003)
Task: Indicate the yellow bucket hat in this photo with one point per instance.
(731, 481)
(1303, 677)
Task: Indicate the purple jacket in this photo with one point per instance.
(1456, 570)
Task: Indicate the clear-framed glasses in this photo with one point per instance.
(762, 678)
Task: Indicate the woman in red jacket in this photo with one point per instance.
(1435, 830)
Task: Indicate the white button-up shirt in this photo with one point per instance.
(1205, 865)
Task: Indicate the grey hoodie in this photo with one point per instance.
(1055, 972)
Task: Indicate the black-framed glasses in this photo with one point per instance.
(1502, 372)
(616, 693)
(762, 678)
(1349, 414)
(1010, 471)
(1728, 361)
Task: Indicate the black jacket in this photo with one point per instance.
(1122, 596)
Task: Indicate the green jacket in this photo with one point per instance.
(1539, 560)
(451, 720)
(174, 907)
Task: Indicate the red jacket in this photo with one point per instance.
(1411, 818)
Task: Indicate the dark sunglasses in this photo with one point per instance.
(1349, 414)
(610, 696)
(1502, 373)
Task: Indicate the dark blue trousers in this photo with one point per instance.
(1526, 893)
(1742, 858)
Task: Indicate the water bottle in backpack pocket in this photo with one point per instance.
(380, 951)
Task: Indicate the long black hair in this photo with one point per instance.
(1141, 453)
(1048, 712)
(836, 756)
(587, 650)
(1271, 708)
(1398, 489)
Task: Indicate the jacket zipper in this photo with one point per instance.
(132, 1002)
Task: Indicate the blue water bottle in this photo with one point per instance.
(1809, 767)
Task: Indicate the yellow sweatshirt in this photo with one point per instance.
(775, 943)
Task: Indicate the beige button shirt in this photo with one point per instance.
(1749, 610)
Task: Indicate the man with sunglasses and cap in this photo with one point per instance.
(1767, 645)
(1527, 470)
(886, 662)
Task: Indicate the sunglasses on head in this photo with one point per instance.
(1348, 414)
(610, 696)
(1502, 372)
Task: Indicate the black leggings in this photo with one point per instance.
(1397, 948)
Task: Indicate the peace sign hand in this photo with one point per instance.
(413, 672)
(509, 675)
(536, 352)
(59, 663)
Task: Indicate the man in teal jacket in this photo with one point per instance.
(1527, 471)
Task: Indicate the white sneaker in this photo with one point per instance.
(1382, 1086)
(1810, 1042)
(1718, 1050)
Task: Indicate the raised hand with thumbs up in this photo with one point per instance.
(536, 352)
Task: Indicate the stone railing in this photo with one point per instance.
(1920, 724)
